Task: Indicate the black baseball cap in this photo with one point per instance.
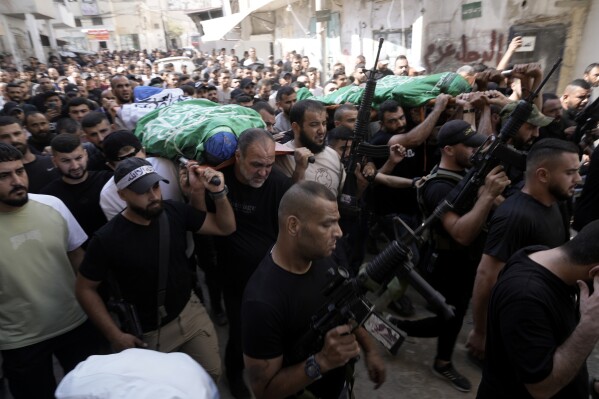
(245, 82)
(459, 132)
(116, 141)
(136, 174)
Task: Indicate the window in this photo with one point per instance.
(97, 21)
(130, 42)
(156, 26)
(78, 22)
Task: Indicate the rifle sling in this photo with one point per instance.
(163, 258)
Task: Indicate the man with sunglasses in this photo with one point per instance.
(122, 145)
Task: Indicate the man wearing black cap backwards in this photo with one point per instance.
(457, 242)
(128, 248)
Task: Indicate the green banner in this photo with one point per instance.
(472, 10)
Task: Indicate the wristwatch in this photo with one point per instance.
(312, 369)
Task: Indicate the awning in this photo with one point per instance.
(217, 28)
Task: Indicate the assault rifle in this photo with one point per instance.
(359, 148)
(347, 303)
(495, 151)
(586, 120)
(346, 300)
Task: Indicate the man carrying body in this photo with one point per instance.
(531, 216)
(309, 124)
(78, 188)
(255, 191)
(39, 316)
(283, 294)
(128, 248)
(40, 169)
(540, 335)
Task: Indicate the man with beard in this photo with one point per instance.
(523, 139)
(419, 159)
(255, 191)
(458, 241)
(39, 168)
(96, 127)
(552, 108)
(121, 88)
(40, 242)
(285, 98)
(531, 216)
(14, 92)
(78, 188)
(127, 248)
(574, 99)
(402, 66)
(37, 124)
(309, 125)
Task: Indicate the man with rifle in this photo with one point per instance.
(457, 242)
(143, 249)
(283, 294)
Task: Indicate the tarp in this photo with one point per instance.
(183, 128)
(408, 91)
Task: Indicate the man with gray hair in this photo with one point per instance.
(255, 190)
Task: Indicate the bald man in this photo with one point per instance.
(283, 294)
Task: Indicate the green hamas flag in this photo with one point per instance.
(183, 128)
(408, 91)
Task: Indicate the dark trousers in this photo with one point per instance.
(205, 252)
(454, 279)
(29, 370)
(234, 351)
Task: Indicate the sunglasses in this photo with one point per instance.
(128, 155)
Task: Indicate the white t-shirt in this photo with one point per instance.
(37, 280)
(326, 169)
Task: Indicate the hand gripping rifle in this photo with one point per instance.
(348, 200)
(586, 120)
(346, 301)
(495, 151)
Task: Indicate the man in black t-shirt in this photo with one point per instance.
(283, 294)
(531, 216)
(416, 163)
(539, 335)
(127, 250)
(40, 169)
(586, 209)
(78, 188)
(458, 241)
(255, 191)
